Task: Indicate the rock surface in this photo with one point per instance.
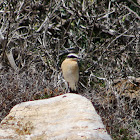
(65, 117)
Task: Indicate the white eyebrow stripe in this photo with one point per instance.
(72, 54)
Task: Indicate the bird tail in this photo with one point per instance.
(73, 91)
(73, 88)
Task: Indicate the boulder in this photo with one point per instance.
(65, 117)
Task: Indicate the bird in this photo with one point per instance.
(70, 71)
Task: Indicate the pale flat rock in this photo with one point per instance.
(65, 117)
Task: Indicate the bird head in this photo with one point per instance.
(73, 56)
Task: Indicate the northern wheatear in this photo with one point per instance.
(70, 71)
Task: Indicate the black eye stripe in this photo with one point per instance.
(72, 56)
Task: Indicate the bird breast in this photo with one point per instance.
(70, 70)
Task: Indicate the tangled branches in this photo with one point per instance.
(35, 35)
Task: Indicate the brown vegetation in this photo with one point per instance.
(36, 35)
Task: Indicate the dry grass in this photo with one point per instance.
(35, 36)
